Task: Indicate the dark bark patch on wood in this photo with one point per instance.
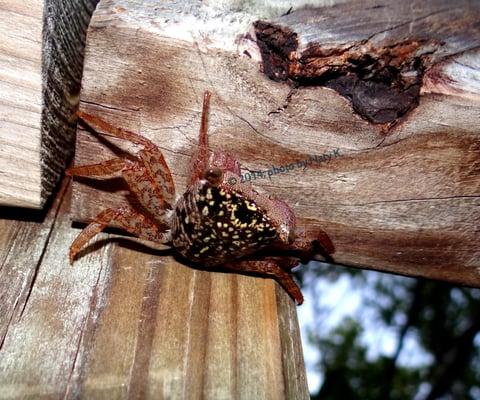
(382, 84)
(375, 57)
(276, 43)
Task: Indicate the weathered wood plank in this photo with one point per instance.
(186, 335)
(22, 246)
(20, 101)
(402, 196)
(41, 59)
(40, 347)
(127, 323)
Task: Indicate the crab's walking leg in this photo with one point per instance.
(150, 156)
(108, 167)
(138, 177)
(325, 242)
(200, 158)
(270, 267)
(146, 189)
(129, 219)
(158, 171)
(113, 130)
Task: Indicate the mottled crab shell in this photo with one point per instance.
(212, 224)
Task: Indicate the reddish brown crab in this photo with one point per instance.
(218, 221)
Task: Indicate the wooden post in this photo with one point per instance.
(40, 70)
(124, 322)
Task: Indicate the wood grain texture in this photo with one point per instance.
(125, 322)
(20, 102)
(22, 246)
(41, 59)
(402, 197)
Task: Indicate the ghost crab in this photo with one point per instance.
(217, 222)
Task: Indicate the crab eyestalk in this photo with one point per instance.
(214, 175)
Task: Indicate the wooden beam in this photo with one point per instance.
(399, 194)
(41, 59)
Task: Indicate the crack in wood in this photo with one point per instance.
(188, 346)
(75, 357)
(110, 107)
(87, 331)
(404, 201)
(60, 201)
(138, 376)
(29, 282)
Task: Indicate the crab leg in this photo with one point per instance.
(108, 167)
(138, 177)
(271, 268)
(200, 158)
(148, 191)
(113, 130)
(129, 219)
(151, 156)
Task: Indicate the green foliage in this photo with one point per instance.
(348, 374)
